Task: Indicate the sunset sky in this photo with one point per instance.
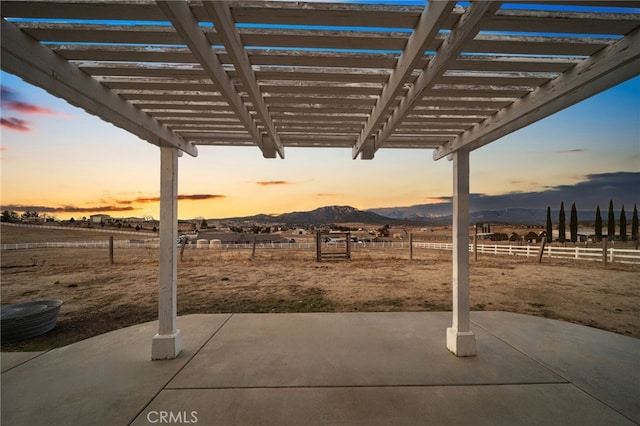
(59, 160)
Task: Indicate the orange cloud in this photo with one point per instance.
(192, 197)
(273, 182)
(66, 209)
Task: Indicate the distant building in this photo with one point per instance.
(99, 218)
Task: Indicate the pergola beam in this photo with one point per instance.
(225, 27)
(179, 13)
(612, 65)
(37, 64)
(464, 31)
(425, 32)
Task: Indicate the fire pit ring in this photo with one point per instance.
(26, 320)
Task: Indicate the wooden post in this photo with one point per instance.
(541, 252)
(184, 243)
(604, 251)
(348, 238)
(410, 245)
(475, 245)
(111, 249)
(318, 247)
(253, 249)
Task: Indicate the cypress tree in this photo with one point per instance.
(611, 226)
(598, 226)
(623, 225)
(634, 224)
(573, 223)
(549, 226)
(561, 224)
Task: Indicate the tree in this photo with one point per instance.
(72, 220)
(384, 231)
(203, 224)
(562, 236)
(598, 224)
(9, 216)
(634, 224)
(611, 226)
(623, 225)
(573, 223)
(549, 226)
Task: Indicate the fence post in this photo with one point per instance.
(184, 243)
(541, 252)
(410, 245)
(318, 248)
(475, 246)
(111, 249)
(253, 249)
(604, 251)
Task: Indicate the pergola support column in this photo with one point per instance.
(460, 339)
(167, 344)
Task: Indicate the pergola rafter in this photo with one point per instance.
(423, 35)
(225, 27)
(188, 28)
(466, 28)
(612, 65)
(23, 56)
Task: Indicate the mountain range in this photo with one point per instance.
(425, 214)
(322, 216)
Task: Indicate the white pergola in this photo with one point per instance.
(447, 77)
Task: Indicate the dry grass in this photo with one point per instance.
(99, 297)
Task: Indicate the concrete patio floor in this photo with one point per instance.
(332, 368)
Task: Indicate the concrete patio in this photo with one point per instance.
(345, 368)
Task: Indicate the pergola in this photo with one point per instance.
(449, 76)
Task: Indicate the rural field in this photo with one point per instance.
(100, 297)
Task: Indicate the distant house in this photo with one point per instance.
(99, 218)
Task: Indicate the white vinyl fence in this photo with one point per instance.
(584, 253)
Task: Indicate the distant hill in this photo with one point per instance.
(424, 214)
(323, 216)
(442, 214)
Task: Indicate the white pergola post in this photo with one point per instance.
(460, 339)
(167, 344)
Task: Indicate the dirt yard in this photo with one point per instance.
(99, 297)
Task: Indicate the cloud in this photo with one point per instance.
(156, 199)
(327, 194)
(571, 151)
(198, 197)
(593, 190)
(105, 206)
(27, 108)
(192, 197)
(16, 124)
(9, 100)
(274, 182)
(67, 209)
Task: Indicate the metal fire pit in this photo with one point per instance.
(26, 320)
